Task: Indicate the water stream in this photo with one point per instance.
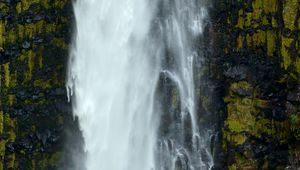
(121, 50)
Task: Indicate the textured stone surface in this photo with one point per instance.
(257, 56)
(34, 38)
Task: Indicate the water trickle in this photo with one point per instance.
(121, 51)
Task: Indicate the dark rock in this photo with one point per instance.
(237, 73)
(294, 96)
(10, 147)
(26, 45)
(243, 92)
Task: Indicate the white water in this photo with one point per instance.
(114, 69)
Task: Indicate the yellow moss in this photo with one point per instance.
(240, 41)
(241, 21)
(290, 8)
(29, 29)
(33, 164)
(29, 57)
(6, 74)
(243, 163)
(248, 20)
(59, 42)
(1, 122)
(49, 160)
(274, 22)
(60, 4)
(40, 56)
(232, 167)
(25, 4)
(3, 7)
(270, 6)
(240, 85)
(285, 43)
(2, 149)
(42, 84)
(249, 39)
(12, 36)
(283, 130)
(11, 161)
(235, 138)
(263, 126)
(259, 38)
(297, 65)
(11, 99)
(257, 9)
(51, 27)
(271, 41)
(2, 34)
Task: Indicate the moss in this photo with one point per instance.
(297, 65)
(240, 41)
(60, 42)
(290, 9)
(12, 99)
(60, 4)
(25, 4)
(295, 125)
(257, 9)
(235, 138)
(2, 34)
(11, 161)
(44, 84)
(259, 38)
(286, 58)
(241, 162)
(29, 57)
(49, 160)
(240, 23)
(271, 43)
(6, 74)
(1, 122)
(270, 6)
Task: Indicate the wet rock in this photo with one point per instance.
(294, 96)
(37, 40)
(24, 144)
(26, 45)
(10, 147)
(237, 73)
(243, 92)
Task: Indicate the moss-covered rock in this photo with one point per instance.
(257, 55)
(34, 39)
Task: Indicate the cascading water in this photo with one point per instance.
(183, 145)
(119, 55)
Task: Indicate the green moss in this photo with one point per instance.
(28, 56)
(241, 22)
(286, 58)
(60, 42)
(271, 43)
(270, 6)
(257, 9)
(44, 84)
(2, 34)
(49, 160)
(6, 74)
(25, 4)
(290, 9)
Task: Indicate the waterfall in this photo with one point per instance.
(119, 55)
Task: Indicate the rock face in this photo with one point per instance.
(34, 38)
(253, 74)
(257, 62)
